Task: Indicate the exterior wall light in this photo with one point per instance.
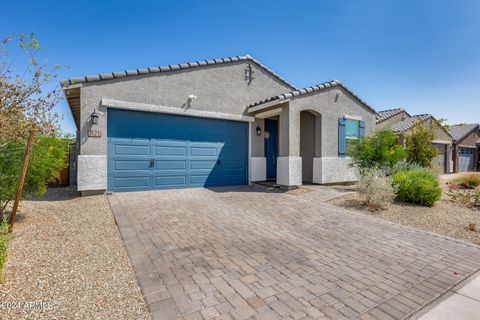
(259, 131)
(94, 117)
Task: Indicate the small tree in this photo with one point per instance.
(27, 100)
(379, 150)
(419, 145)
(25, 95)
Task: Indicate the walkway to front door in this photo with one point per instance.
(243, 253)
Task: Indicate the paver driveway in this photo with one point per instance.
(245, 253)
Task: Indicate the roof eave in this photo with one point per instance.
(313, 90)
(172, 67)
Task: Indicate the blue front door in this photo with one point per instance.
(158, 151)
(271, 147)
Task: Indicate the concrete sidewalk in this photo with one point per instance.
(461, 303)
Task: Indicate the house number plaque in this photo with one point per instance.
(94, 133)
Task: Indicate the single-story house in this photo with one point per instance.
(402, 123)
(211, 123)
(466, 147)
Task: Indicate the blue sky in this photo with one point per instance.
(420, 55)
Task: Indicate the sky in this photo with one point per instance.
(421, 55)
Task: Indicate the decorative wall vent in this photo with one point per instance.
(249, 74)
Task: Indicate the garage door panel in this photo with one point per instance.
(165, 173)
(466, 159)
(128, 149)
(203, 164)
(170, 150)
(165, 181)
(204, 151)
(198, 180)
(127, 165)
(184, 151)
(163, 165)
(132, 182)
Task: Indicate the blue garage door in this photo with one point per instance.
(149, 151)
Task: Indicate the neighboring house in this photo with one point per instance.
(466, 147)
(402, 123)
(211, 123)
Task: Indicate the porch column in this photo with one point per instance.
(317, 160)
(258, 163)
(289, 162)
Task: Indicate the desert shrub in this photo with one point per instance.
(379, 150)
(3, 245)
(468, 198)
(468, 180)
(418, 186)
(375, 188)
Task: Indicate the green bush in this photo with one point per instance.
(3, 245)
(379, 150)
(418, 186)
(47, 159)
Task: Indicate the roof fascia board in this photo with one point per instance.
(268, 113)
(267, 105)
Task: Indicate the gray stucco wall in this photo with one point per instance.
(219, 88)
(470, 140)
(257, 142)
(331, 104)
(440, 134)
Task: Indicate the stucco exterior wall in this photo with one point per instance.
(330, 104)
(470, 141)
(257, 142)
(441, 136)
(219, 88)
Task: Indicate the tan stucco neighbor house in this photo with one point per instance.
(401, 122)
(211, 123)
(466, 147)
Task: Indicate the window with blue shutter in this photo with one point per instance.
(362, 129)
(354, 129)
(342, 137)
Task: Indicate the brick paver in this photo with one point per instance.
(243, 253)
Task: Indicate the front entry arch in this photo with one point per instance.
(310, 125)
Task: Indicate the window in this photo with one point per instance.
(352, 134)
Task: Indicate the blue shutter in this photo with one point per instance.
(342, 140)
(361, 131)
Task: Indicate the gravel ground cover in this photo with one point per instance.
(446, 217)
(66, 255)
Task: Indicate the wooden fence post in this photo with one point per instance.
(22, 178)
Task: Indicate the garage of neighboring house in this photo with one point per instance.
(466, 137)
(441, 161)
(161, 151)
